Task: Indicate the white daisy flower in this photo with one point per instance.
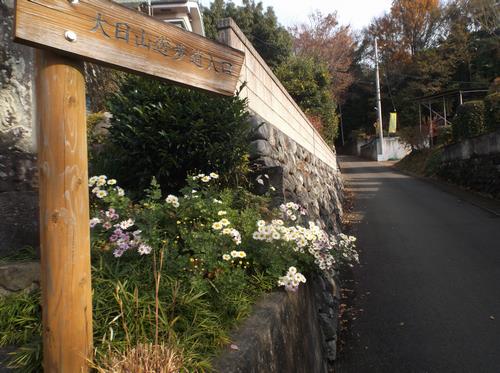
(126, 224)
(144, 249)
(101, 194)
(92, 180)
(101, 181)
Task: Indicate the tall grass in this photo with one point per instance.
(139, 308)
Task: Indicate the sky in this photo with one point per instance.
(357, 13)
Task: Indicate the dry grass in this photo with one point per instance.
(144, 358)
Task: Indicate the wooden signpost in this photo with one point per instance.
(68, 32)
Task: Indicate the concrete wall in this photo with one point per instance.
(394, 149)
(474, 163)
(287, 332)
(477, 146)
(18, 172)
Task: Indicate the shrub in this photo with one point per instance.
(424, 162)
(413, 136)
(180, 272)
(469, 120)
(164, 131)
(492, 111)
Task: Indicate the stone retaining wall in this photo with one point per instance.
(287, 332)
(296, 174)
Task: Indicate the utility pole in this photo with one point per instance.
(379, 102)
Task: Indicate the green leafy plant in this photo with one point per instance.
(161, 130)
(260, 26)
(492, 111)
(469, 120)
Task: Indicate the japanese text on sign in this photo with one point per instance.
(158, 44)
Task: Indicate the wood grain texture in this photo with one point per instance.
(64, 214)
(116, 36)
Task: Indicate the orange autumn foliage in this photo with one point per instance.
(324, 39)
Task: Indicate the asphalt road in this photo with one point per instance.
(427, 292)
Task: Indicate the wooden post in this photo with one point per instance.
(64, 214)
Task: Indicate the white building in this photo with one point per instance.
(182, 13)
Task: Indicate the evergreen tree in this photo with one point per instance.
(261, 27)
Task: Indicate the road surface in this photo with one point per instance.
(427, 293)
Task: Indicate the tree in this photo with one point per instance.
(308, 82)
(425, 50)
(484, 14)
(417, 22)
(410, 27)
(270, 39)
(325, 40)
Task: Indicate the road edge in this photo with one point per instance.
(489, 205)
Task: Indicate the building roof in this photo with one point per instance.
(453, 92)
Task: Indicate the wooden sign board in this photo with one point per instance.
(107, 33)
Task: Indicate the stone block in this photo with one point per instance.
(260, 148)
(328, 326)
(260, 129)
(19, 225)
(267, 162)
(15, 277)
